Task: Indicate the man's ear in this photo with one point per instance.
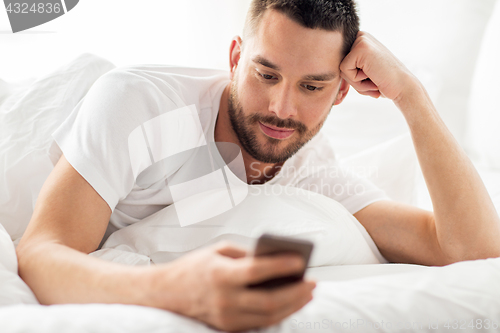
(344, 88)
(234, 54)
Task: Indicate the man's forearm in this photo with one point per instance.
(467, 224)
(208, 284)
(58, 274)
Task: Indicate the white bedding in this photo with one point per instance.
(13, 290)
(380, 294)
(367, 291)
(338, 238)
(29, 114)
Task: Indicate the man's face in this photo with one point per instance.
(287, 79)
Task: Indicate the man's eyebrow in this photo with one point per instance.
(264, 62)
(321, 77)
(313, 77)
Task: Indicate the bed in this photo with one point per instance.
(357, 291)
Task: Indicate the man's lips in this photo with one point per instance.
(275, 132)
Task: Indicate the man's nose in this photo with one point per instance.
(283, 101)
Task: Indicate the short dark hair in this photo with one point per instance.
(333, 15)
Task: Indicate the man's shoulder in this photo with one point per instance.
(158, 73)
(195, 72)
(187, 84)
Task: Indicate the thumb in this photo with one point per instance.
(229, 249)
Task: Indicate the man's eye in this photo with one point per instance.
(266, 76)
(311, 88)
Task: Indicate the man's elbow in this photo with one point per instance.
(27, 251)
(24, 252)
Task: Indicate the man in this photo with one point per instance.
(287, 72)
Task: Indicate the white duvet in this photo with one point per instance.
(357, 291)
(359, 298)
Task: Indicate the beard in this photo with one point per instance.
(272, 150)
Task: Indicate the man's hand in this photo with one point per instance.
(210, 285)
(373, 70)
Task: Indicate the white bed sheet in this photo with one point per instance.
(362, 294)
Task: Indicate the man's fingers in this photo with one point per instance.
(228, 249)
(249, 270)
(236, 321)
(273, 318)
(352, 66)
(360, 76)
(356, 75)
(365, 87)
(349, 66)
(243, 317)
(287, 311)
(374, 94)
(276, 316)
(361, 85)
(270, 300)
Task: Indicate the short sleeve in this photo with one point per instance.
(357, 191)
(95, 136)
(343, 185)
(316, 168)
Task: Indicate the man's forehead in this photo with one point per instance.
(280, 41)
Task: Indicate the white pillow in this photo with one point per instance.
(283, 210)
(28, 117)
(13, 290)
(482, 135)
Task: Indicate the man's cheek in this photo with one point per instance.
(255, 99)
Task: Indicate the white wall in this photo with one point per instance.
(439, 41)
(190, 32)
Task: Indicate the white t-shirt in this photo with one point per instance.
(96, 140)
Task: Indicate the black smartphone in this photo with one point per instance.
(268, 245)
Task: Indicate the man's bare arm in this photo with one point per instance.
(465, 224)
(209, 284)
(403, 233)
(69, 220)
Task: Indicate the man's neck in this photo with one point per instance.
(257, 172)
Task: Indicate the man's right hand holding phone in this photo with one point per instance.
(212, 286)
